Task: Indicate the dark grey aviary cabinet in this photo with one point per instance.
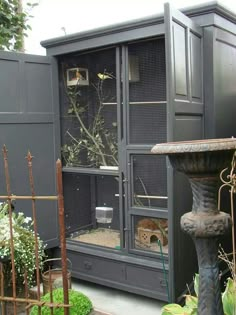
(116, 92)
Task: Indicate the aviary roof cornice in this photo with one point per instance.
(204, 9)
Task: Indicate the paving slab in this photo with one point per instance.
(116, 302)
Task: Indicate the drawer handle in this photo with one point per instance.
(163, 283)
(87, 265)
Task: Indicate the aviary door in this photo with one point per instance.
(146, 124)
(185, 114)
(28, 121)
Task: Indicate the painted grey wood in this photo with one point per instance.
(120, 141)
(92, 171)
(141, 276)
(206, 14)
(220, 75)
(224, 83)
(103, 37)
(208, 72)
(123, 159)
(28, 98)
(184, 60)
(188, 106)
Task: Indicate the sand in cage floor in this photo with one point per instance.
(111, 238)
(101, 237)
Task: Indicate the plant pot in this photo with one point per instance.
(52, 278)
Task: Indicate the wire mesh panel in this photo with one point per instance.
(77, 191)
(147, 92)
(147, 123)
(89, 110)
(92, 210)
(149, 181)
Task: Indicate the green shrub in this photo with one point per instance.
(81, 304)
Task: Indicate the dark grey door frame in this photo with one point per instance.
(179, 96)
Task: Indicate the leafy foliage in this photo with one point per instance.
(24, 247)
(80, 303)
(13, 24)
(99, 143)
(229, 298)
(190, 307)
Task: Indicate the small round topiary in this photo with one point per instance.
(81, 304)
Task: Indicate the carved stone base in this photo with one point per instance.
(209, 286)
(205, 225)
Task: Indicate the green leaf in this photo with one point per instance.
(176, 309)
(172, 309)
(229, 298)
(190, 311)
(13, 24)
(70, 110)
(80, 303)
(191, 301)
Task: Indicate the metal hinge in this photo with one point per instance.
(126, 229)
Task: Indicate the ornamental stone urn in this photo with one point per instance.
(202, 161)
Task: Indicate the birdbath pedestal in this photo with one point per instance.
(202, 161)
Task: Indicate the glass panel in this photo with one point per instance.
(149, 180)
(147, 92)
(89, 109)
(92, 210)
(150, 234)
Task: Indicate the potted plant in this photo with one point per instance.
(94, 139)
(24, 248)
(80, 303)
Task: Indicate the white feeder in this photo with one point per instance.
(104, 214)
(77, 76)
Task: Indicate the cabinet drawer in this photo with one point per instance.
(149, 279)
(98, 267)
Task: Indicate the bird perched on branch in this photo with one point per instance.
(104, 76)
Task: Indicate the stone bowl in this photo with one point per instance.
(198, 156)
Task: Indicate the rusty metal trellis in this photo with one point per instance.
(33, 197)
(231, 183)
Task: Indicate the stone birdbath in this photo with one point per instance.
(202, 161)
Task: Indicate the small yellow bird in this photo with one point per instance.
(103, 76)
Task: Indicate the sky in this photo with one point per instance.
(53, 18)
